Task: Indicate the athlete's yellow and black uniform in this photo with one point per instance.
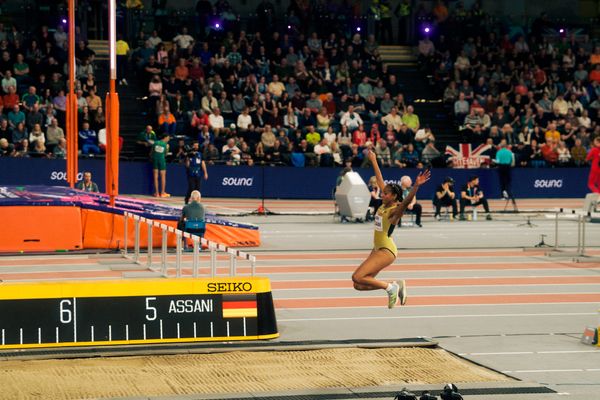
(382, 238)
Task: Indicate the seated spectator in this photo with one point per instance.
(445, 197)
(11, 99)
(578, 154)
(472, 195)
(324, 153)
(36, 135)
(307, 120)
(323, 120)
(88, 139)
(6, 149)
(19, 133)
(313, 103)
(268, 139)
(182, 72)
(167, 121)
(564, 156)
(383, 153)
(60, 150)
(312, 136)
(351, 119)
(276, 88)
(560, 105)
(102, 140)
(5, 130)
(34, 116)
(8, 81)
(86, 184)
(375, 200)
(209, 102)
(217, 122)
(16, 116)
(430, 153)
(413, 206)
(393, 120)
(410, 156)
(38, 150)
(94, 102)
(307, 150)
(461, 108)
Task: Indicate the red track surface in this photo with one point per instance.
(313, 276)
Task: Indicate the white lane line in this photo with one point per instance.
(507, 353)
(534, 371)
(432, 316)
(512, 353)
(500, 295)
(440, 305)
(349, 287)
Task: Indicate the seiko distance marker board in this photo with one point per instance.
(87, 313)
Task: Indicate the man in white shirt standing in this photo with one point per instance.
(351, 119)
(183, 40)
(216, 121)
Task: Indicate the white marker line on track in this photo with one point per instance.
(510, 353)
(430, 316)
(533, 371)
(499, 295)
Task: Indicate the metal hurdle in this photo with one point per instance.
(579, 253)
(197, 241)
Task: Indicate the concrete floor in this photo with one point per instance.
(532, 342)
(535, 340)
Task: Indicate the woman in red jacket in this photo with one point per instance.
(594, 158)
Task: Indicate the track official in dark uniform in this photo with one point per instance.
(196, 169)
(505, 159)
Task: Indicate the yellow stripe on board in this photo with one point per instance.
(240, 313)
(129, 288)
(148, 341)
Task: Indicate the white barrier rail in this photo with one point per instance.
(197, 242)
(582, 218)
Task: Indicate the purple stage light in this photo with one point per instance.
(358, 29)
(427, 29)
(64, 20)
(289, 27)
(561, 30)
(217, 25)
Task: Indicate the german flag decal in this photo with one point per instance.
(239, 306)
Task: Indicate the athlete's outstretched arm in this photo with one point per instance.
(373, 158)
(399, 210)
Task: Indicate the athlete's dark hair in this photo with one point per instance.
(397, 190)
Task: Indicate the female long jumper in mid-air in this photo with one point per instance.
(384, 249)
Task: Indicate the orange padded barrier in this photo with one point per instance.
(51, 228)
(32, 228)
(102, 230)
(232, 237)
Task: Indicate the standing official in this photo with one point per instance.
(505, 159)
(196, 169)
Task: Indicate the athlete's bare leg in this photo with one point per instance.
(155, 173)
(163, 181)
(364, 276)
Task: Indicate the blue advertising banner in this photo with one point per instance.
(290, 182)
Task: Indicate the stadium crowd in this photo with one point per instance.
(311, 98)
(537, 91)
(302, 96)
(33, 86)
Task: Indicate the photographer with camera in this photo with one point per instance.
(445, 197)
(195, 169)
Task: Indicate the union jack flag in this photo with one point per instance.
(465, 157)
